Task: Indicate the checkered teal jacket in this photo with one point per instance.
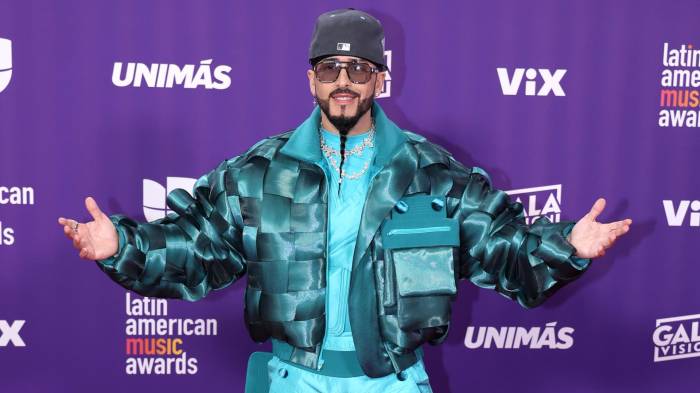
(428, 221)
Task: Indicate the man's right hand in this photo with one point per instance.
(96, 239)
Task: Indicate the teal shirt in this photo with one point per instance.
(345, 211)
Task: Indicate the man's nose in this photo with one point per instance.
(344, 78)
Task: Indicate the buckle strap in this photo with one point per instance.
(340, 364)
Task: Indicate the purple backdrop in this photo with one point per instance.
(67, 130)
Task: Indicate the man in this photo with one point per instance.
(353, 233)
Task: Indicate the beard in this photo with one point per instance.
(345, 123)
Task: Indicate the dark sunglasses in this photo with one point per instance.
(328, 71)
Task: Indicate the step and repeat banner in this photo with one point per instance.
(560, 102)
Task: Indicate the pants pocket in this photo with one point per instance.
(278, 374)
(419, 377)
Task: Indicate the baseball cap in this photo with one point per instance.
(348, 32)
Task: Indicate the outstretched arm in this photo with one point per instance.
(528, 264)
(183, 255)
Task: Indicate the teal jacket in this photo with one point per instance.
(428, 221)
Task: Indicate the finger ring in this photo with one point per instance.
(75, 228)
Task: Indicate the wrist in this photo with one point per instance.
(568, 239)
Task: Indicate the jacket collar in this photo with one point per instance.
(304, 143)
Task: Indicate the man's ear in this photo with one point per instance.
(379, 83)
(312, 85)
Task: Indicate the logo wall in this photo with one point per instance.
(516, 337)
(9, 333)
(10, 195)
(13, 196)
(680, 78)
(677, 338)
(156, 344)
(386, 89)
(549, 82)
(189, 76)
(677, 212)
(154, 195)
(5, 63)
(538, 202)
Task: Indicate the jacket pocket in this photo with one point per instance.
(424, 271)
(420, 245)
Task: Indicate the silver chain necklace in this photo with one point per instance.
(330, 152)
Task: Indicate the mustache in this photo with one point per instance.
(344, 91)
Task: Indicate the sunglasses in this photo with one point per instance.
(328, 71)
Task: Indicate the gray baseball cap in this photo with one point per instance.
(348, 32)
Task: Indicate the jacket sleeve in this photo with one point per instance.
(185, 254)
(499, 251)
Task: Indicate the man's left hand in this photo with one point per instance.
(592, 238)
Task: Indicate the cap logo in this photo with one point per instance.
(344, 46)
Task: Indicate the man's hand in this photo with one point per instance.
(96, 239)
(592, 238)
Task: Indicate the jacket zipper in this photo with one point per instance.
(408, 231)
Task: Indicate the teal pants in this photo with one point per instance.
(286, 378)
